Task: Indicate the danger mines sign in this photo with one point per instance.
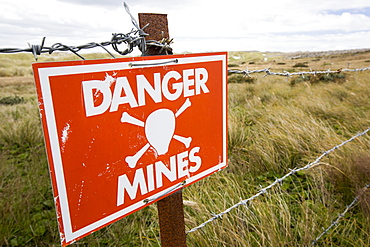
(123, 133)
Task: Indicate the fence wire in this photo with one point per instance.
(335, 222)
(132, 39)
(277, 181)
(267, 72)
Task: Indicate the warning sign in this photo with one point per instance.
(123, 133)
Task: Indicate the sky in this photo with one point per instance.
(195, 25)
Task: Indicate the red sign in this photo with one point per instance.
(123, 133)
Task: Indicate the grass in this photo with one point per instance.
(274, 125)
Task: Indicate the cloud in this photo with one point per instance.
(194, 24)
(59, 22)
(164, 4)
(104, 3)
(362, 11)
(274, 42)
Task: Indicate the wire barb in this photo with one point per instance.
(36, 49)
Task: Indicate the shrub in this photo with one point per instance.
(11, 100)
(334, 77)
(300, 65)
(239, 78)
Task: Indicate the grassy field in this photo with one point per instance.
(275, 124)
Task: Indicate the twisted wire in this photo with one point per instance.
(268, 72)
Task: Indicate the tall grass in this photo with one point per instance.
(274, 125)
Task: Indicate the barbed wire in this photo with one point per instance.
(277, 181)
(267, 72)
(335, 222)
(134, 38)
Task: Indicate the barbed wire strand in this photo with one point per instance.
(335, 222)
(277, 181)
(134, 38)
(267, 72)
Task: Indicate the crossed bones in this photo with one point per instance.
(126, 118)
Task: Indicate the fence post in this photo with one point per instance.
(170, 208)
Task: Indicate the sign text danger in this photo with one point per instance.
(170, 85)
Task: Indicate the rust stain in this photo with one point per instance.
(158, 26)
(171, 221)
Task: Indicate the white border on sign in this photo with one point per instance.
(45, 73)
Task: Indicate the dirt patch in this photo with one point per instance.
(20, 80)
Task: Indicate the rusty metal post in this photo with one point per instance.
(170, 208)
(171, 220)
(157, 30)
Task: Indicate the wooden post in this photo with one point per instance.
(170, 208)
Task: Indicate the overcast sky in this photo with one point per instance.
(195, 25)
